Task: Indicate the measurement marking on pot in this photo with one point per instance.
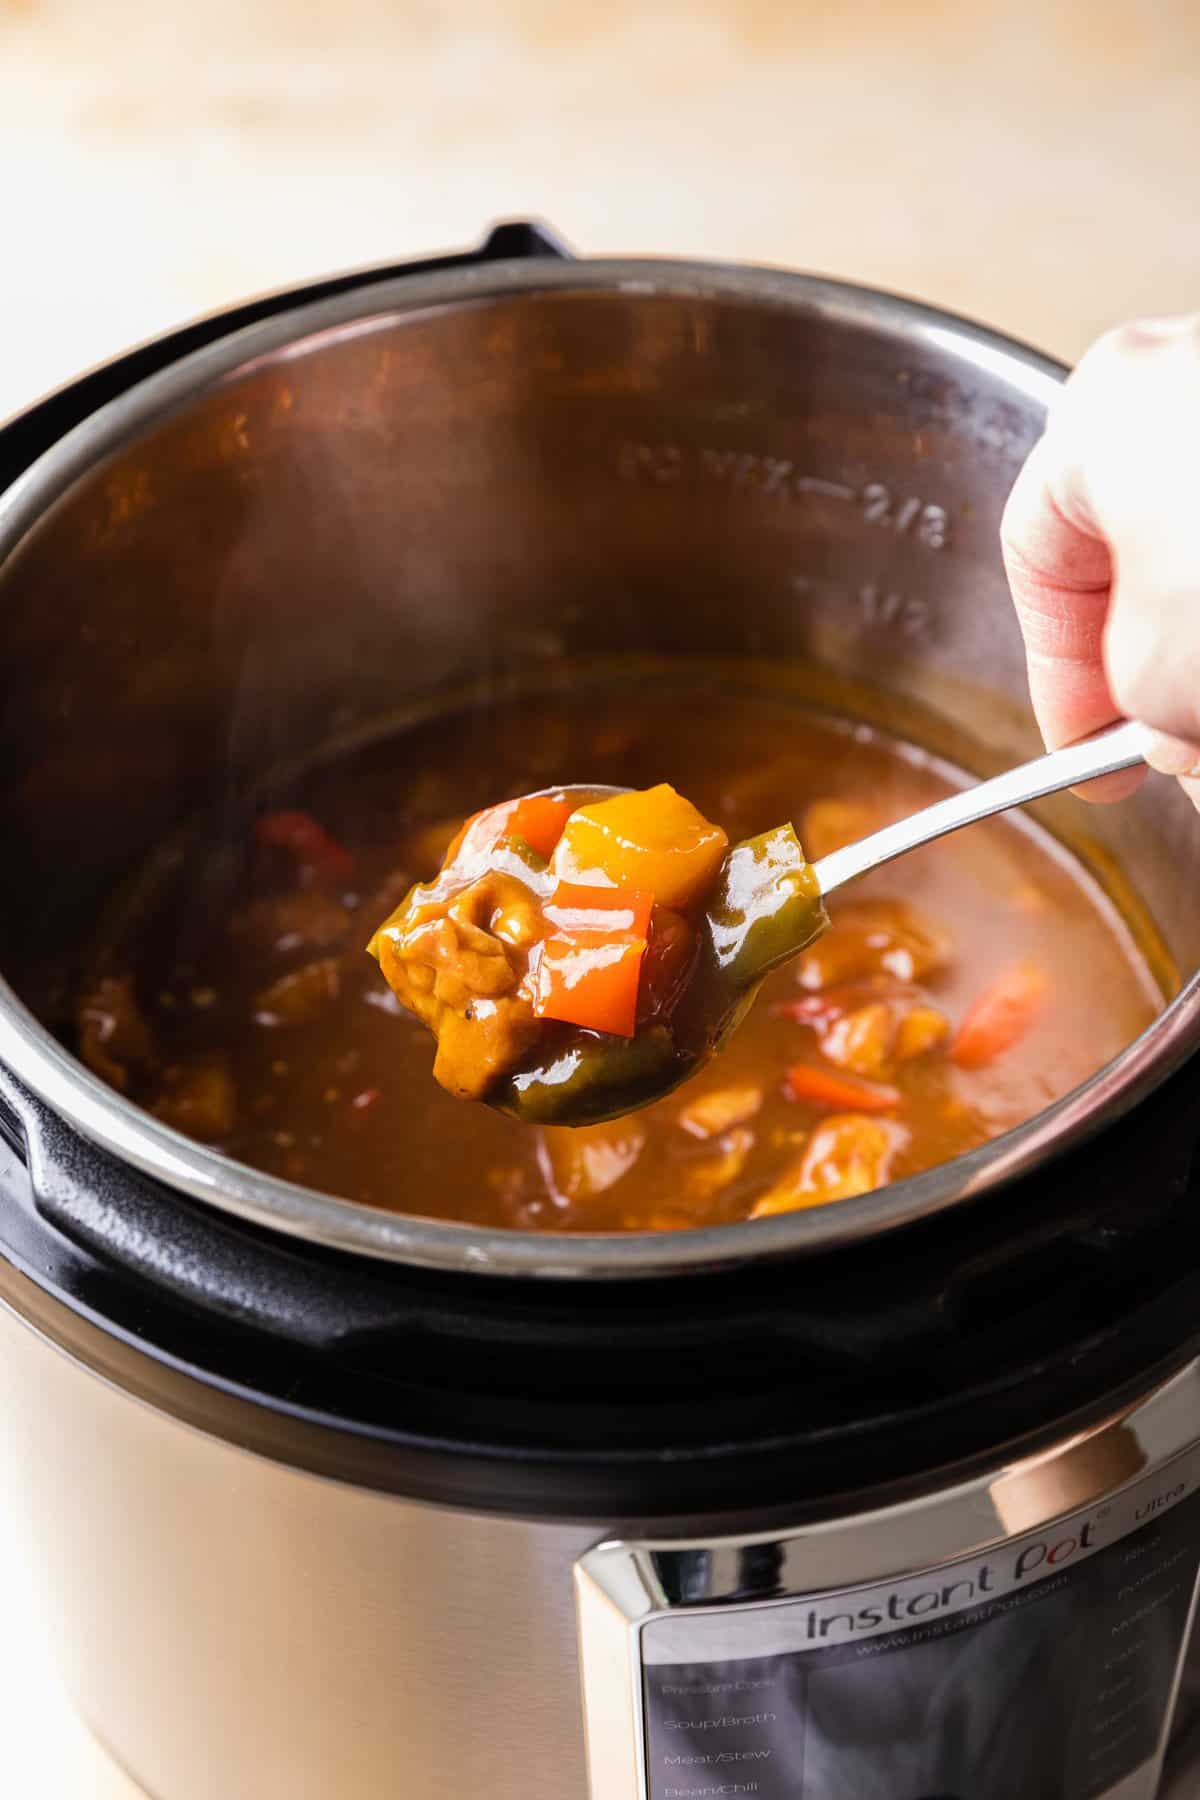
(650, 462)
(909, 516)
(901, 515)
(816, 484)
(879, 609)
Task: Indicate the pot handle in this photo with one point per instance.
(115, 1215)
(29, 434)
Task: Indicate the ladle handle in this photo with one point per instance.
(1104, 753)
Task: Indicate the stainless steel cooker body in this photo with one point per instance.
(297, 534)
(231, 1623)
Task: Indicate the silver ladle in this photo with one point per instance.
(769, 889)
(1104, 753)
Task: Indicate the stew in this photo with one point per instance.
(955, 993)
(575, 982)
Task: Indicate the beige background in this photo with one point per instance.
(1035, 163)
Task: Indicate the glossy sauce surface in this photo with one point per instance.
(250, 1015)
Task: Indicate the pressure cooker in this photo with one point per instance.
(897, 1499)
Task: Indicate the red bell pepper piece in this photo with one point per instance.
(590, 963)
(539, 820)
(839, 1093)
(300, 835)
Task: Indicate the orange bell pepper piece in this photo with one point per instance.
(1001, 1016)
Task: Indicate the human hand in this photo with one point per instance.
(1101, 541)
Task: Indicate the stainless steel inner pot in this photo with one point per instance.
(293, 535)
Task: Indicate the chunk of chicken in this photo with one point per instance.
(459, 963)
(704, 1177)
(307, 920)
(921, 1029)
(579, 1163)
(296, 998)
(199, 1101)
(710, 1114)
(115, 1041)
(870, 1039)
(875, 937)
(862, 1040)
(847, 1155)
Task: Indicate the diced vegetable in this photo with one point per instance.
(872, 937)
(861, 1041)
(579, 1163)
(921, 1029)
(539, 820)
(471, 851)
(477, 837)
(606, 910)
(1001, 1016)
(489, 841)
(296, 998)
(309, 843)
(840, 1093)
(766, 905)
(596, 1078)
(654, 841)
(830, 825)
(590, 979)
(845, 1156)
(711, 1114)
(590, 963)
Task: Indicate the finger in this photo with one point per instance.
(1060, 572)
(1061, 576)
(1126, 431)
(1172, 755)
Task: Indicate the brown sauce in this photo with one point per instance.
(256, 1021)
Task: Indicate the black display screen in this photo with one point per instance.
(1013, 1680)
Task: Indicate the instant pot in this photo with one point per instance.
(897, 1499)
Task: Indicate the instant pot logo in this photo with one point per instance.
(918, 1601)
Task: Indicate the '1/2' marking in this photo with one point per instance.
(878, 609)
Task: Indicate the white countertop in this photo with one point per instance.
(1033, 164)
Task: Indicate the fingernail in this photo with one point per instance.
(1157, 331)
(1172, 755)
